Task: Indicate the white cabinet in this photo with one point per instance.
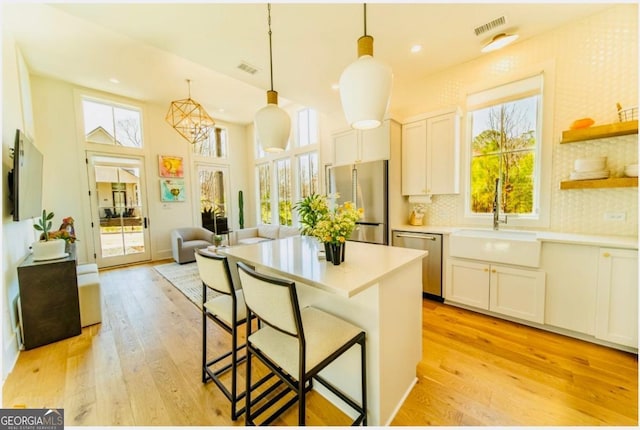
(467, 283)
(572, 274)
(430, 155)
(517, 292)
(502, 289)
(617, 296)
(359, 146)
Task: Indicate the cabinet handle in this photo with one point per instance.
(493, 271)
(486, 269)
(606, 255)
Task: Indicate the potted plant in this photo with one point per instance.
(47, 248)
(310, 210)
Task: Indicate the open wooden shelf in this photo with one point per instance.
(600, 131)
(599, 183)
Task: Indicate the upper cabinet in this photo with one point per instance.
(359, 146)
(431, 154)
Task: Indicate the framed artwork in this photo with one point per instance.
(170, 166)
(172, 190)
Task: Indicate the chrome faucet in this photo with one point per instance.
(496, 207)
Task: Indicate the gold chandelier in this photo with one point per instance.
(190, 119)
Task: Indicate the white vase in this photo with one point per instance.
(48, 250)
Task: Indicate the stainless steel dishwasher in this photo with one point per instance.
(431, 265)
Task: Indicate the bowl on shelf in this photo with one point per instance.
(631, 170)
(593, 164)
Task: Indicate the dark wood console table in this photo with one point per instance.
(49, 300)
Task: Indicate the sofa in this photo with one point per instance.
(184, 242)
(262, 232)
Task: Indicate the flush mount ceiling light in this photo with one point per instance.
(271, 122)
(499, 41)
(189, 118)
(365, 86)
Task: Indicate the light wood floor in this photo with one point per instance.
(141, 366)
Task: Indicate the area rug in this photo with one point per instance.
(186, 279)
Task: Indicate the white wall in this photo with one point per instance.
(16, 236)
(595, 63)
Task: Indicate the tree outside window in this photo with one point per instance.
(264, 192)
(308, 174)
(283, 179)
(214, 146)
(505, 145)
(111, 124)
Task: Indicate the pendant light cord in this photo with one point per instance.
(270, 47)
(365, 19)
(189, 86)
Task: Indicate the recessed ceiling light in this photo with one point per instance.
(335, 86)
(221, 110)
(114, 81)
(416, 48)
(499, 41)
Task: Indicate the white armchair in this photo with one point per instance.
(184, 242)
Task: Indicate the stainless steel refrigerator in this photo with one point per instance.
(366, 185)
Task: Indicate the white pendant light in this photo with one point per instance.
(272, 123)
(365, 86)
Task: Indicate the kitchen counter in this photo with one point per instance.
(623, 242)
(377, 288)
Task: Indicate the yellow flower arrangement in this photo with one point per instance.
(336, 226)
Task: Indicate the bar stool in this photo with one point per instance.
(295, 344)
(228, 311)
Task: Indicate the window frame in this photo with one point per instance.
(542, 173)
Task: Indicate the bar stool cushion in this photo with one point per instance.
(324, 334)
(222, 305)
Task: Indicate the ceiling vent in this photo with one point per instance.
(490, 25)
(248, 68)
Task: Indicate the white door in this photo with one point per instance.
(118, 209)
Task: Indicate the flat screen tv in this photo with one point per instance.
(25, 181)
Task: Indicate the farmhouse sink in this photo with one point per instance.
(520, 248)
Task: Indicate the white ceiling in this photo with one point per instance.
(152, 48)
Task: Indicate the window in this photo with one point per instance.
(111, 124)
(505, 145)
(308, 174)
(307, 127)
(293, 173)
(264, 193)
(215, 146)
(283, 179)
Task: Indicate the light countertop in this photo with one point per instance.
(296, 258)
(626, 242)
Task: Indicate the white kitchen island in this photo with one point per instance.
(378, 288)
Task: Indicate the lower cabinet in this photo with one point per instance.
(507, 290)
(572, 275)
(467, 283)
(617, 296)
